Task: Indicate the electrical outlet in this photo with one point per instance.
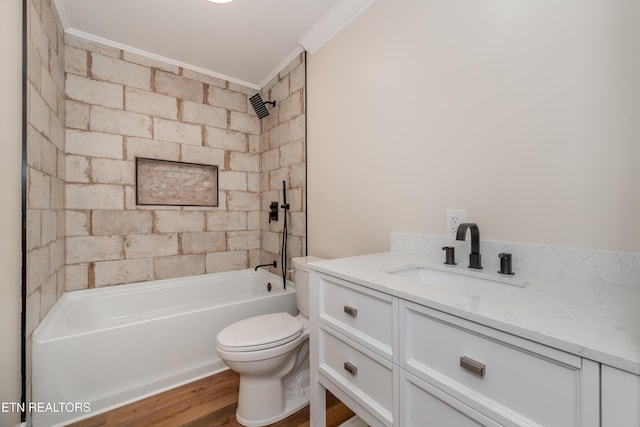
(455, 217)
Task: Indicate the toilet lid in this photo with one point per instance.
(260, 332)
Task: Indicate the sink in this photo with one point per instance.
(472, 282)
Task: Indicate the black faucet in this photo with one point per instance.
(475, 260)
(273, 264)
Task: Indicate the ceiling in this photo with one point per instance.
(245, 41)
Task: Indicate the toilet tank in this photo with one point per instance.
(301, 279)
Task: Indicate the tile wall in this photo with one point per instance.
(282, 147)
(45, 165)
(120, 106)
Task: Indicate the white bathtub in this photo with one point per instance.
(111, 346)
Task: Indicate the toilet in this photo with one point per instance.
(271, 354)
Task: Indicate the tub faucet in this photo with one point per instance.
(475, 260)
(272, 264)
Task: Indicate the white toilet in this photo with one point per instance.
(271, 354)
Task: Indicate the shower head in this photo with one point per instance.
(258, 105)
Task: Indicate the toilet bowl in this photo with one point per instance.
(271, 354)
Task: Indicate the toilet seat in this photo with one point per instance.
(260, 333)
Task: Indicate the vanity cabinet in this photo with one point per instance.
(398, 363)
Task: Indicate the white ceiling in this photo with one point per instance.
(245, 41)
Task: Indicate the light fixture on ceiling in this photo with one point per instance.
(220, 1)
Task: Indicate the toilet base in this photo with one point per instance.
(293, 402)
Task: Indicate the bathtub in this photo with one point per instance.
(102, 348)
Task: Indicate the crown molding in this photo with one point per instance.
(335, 20)
(135, 50)
(59, 5)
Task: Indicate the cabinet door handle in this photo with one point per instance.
(351, 311)
(472, 366)
(351, 368)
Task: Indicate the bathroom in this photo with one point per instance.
(522, 114)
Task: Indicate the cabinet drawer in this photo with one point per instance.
(515, 386)
(368, 378)
(364, 315)
(425, 405)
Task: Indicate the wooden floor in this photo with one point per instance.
(211, 401)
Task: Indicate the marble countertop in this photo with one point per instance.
(594, 321)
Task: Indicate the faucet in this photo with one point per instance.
(475, 260)
(272, 264)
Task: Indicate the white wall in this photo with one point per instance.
(10, 225)
(525, 113)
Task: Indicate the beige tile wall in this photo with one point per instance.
(120, 106)
(45, 165)
(282, 151)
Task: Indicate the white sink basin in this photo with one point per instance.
(472, 282)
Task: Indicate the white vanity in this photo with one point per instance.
(401, 351)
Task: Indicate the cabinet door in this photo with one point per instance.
(620, 398)
(424, 405)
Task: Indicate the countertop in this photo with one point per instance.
(594, 321)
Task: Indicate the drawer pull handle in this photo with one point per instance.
(351, 311)
(472, 366)
(351, 368)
